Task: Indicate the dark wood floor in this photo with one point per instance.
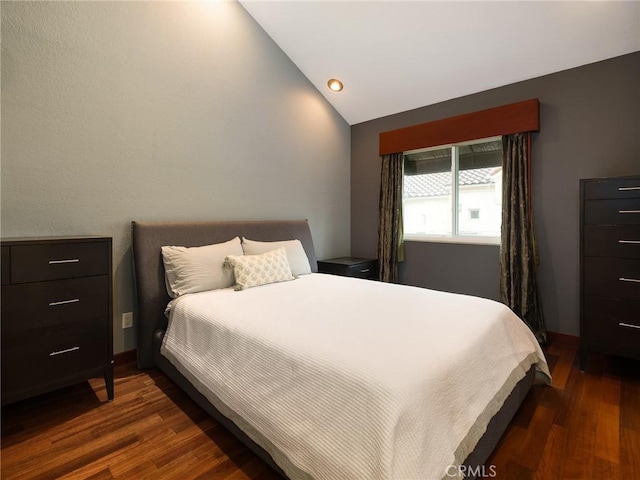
(587, 426)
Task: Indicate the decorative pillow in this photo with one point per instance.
(254, 270)
(197, 269)
(296, 255)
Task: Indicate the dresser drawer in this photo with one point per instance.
(36, 263)
(613, 324)
(612, 212)
(610, 266)
(612, 277)
(51, 354)
(5, 264)
(612, 188)
(36, 305)
(56, 314)
(612, 241)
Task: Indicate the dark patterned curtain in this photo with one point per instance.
(390, 241)
(518, 252)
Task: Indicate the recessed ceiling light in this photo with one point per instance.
(335, 85)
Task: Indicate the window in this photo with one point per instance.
(454, 192)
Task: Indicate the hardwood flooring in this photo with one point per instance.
(587, 426)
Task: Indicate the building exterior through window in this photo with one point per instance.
(454, 192)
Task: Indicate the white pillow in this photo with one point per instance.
(255, 270)
(197, 269)
(296, 255)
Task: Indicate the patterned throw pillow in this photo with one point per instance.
(254, 270)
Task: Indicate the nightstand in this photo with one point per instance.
(350, 267)
(56, 314)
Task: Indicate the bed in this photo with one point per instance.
(333, 377)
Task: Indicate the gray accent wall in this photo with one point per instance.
(168, 111)
(589, 127)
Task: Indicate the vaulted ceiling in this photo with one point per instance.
(397, 55)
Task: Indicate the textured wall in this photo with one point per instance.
(120, 111)
(589, 127)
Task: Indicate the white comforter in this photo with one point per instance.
(353, 379)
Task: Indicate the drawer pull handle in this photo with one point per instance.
(628, 211)
(629, 325)
(365, 270)
(629, 241)
(625, 189)
(66, 350)
(64, 302)
(634, 280)
(58, 262)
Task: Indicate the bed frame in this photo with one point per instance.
(152, 298)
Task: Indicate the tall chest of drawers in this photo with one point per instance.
(56, 314)
(610, 267)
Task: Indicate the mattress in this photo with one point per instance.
(349, 378)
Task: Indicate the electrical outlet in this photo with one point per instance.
(127, 320)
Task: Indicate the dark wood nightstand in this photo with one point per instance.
(350, 267)
(56, 314)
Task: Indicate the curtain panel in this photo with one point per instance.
(390, 235)
(518, 252)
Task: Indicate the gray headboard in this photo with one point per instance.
(149, 237)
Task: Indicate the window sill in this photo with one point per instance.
(449, 239)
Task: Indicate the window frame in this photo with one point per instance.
(454, 237)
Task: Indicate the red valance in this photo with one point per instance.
(513, 118)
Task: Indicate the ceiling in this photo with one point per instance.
(397, 55)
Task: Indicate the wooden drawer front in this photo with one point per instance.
(612, 277)
(613, 324)
(612, 241)
(36, 305)
(5, 264)
(363, 270)
(612, 188)
(36, 263)
(333, 268)
(52, 353)
(350, 267)
(612, 212)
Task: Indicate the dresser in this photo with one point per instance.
(56, 314)
(610, 267)
(350, 267)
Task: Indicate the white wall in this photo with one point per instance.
(120, 111)
(432, 215)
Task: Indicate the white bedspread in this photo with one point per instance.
(354, 379)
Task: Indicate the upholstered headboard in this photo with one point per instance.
(149, 237)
